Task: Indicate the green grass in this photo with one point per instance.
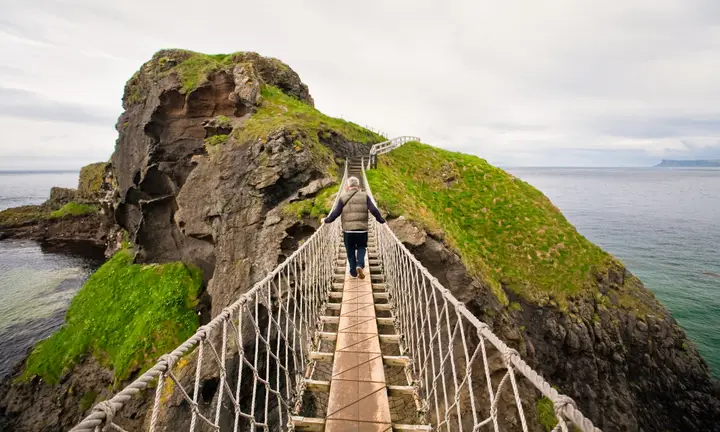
(194, 71)
(508, 233)
(317, 207)
(87, 401)
(126, 315)
(73, 209)
(282, 112)
(22, 215)
(224, 121)
(216, 140)
(546, 413)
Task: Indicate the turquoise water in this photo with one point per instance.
(664, 224)
(36, 282)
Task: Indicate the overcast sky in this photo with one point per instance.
(558, 83)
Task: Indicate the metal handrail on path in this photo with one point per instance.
(387, 146)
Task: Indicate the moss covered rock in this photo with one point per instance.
(91, 181)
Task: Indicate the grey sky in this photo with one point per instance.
(563, 82)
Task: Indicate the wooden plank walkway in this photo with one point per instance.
(358, 400)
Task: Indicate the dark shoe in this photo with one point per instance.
(361, 273)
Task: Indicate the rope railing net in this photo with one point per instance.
(246, 369)
(463, 372)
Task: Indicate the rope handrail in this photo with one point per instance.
(298, 287)
(407, 279)
(386, 146)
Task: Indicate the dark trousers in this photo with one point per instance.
(355, 245)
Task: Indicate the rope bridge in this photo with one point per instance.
(262, 363)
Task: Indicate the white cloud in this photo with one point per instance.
(519, 82)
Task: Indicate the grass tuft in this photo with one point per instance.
(216, 140)
(546, 414)
(126, 315)
(194, 71)
(317, 207)
(73, 209)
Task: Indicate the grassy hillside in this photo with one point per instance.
(126, 315)
(508, 233)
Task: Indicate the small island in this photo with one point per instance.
(697, 163)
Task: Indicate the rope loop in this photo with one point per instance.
(107, 408)
(508, 355)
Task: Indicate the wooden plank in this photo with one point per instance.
(380, 295)
(386, 321)
(333, 306)
(411, 428)
(395, 390)
(318, 386)
(309, 424)
(390, 338)
(383, 306)
(330, 319)
(320, 356)
(335, 294)
(396, 360)
(327, 336)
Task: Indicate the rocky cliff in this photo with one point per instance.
(219, 163)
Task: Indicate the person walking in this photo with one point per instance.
(354, 206)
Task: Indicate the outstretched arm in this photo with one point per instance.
(335, 213)
(374, 210)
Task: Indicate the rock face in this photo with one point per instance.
(218, 206)
(162, 135)
(626, 373)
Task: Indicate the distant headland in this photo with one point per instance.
(704, 163)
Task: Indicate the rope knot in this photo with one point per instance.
(561, 402)
(169, 360)
(203, 332)
(482, 326)
(107, 408)
(508, 355)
